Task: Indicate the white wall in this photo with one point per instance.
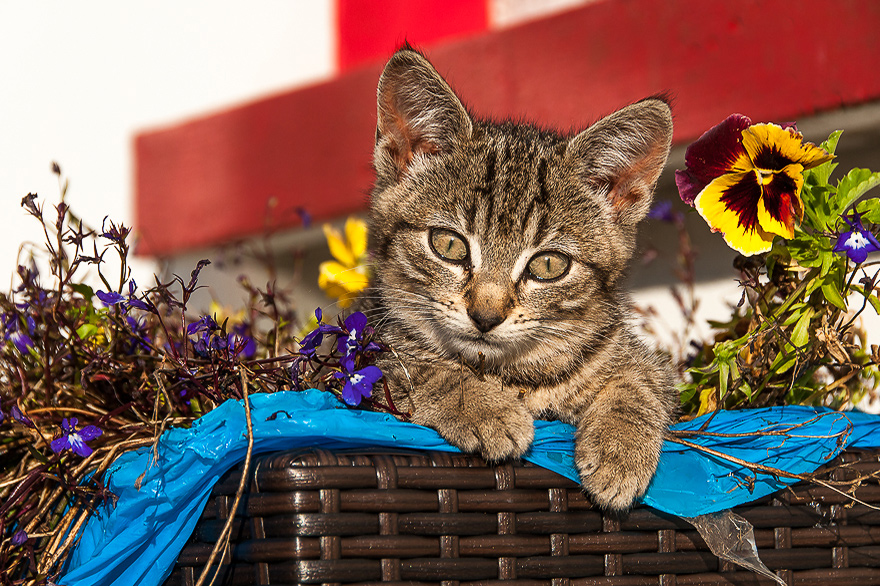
(78, 79)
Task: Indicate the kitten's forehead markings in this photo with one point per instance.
(520, 266)
(476, 252)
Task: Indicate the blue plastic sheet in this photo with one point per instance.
(159, 501)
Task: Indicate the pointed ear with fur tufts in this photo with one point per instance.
(418, 114)
(622, 155)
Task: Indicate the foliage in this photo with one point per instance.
(793, 338)
(86, 374)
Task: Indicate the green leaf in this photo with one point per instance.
(795, 312)
(746, 389)
(37, 454)
(869, 209)
(723, 374)
(823, 171)
(84, 290)
(833, 296)
(86, 331)
(854, 185)
(827, 258)
(800, 334)
(782, 363)
(872, 299)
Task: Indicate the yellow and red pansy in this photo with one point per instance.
(745, 180)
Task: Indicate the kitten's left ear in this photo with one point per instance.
(418, 113)
(623, 154)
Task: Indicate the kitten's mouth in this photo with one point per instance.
(480, 347)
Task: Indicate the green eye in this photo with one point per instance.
(448, 245)
(547, 266)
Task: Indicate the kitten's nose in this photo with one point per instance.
(485, 320)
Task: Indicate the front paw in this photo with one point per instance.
(616, 470)
(496, 432)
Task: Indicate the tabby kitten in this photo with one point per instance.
(498, 256)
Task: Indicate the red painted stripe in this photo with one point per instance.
(209, 181)
(369, 31)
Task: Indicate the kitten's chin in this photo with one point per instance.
(476, 349)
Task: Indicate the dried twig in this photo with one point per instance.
(223, 539)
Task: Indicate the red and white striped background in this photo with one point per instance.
(564, 63)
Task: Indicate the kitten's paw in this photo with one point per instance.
(495, 436)
(615, 476)
(611, 487)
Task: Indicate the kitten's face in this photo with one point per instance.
(499, 243)
(497, 250)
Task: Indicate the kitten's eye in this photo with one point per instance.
(547, 266)
(448, 245)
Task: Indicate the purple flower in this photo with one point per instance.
(115, 233)
(16, 414)
(19, 538)
(304, 217)
(315, 338)
(73, 439)
(358, 383)
(205, 324)
(28, 277)
(662, 210)
(858, 242)
(356, 325)
(21, 340)
(140, 337)
(137, 303)
(111, 298)
(12, 330)
(244, 345)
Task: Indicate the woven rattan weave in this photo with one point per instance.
(437, 518)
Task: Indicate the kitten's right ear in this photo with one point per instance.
(418, 114)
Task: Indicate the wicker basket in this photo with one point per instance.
(342, 518)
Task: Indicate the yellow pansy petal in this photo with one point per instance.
(771, 224)
(772, 147)
(337, 280)
(338, 248)
(729, 205)
(330, 269)
(356, 234)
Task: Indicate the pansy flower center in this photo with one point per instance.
(765, 176)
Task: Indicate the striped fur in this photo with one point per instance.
(483, 346)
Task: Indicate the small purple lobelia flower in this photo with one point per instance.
(12, 330)
(315, 338)
(358, 383)
(858, 242)
(73, 439)
(110, 298)
(19, 538)
(115, 233)
(662, 210)
(356, 325)
(114, 298)
(16, 414)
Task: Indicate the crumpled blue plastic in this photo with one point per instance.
(137, 541)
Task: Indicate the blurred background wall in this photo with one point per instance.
(212, 127)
